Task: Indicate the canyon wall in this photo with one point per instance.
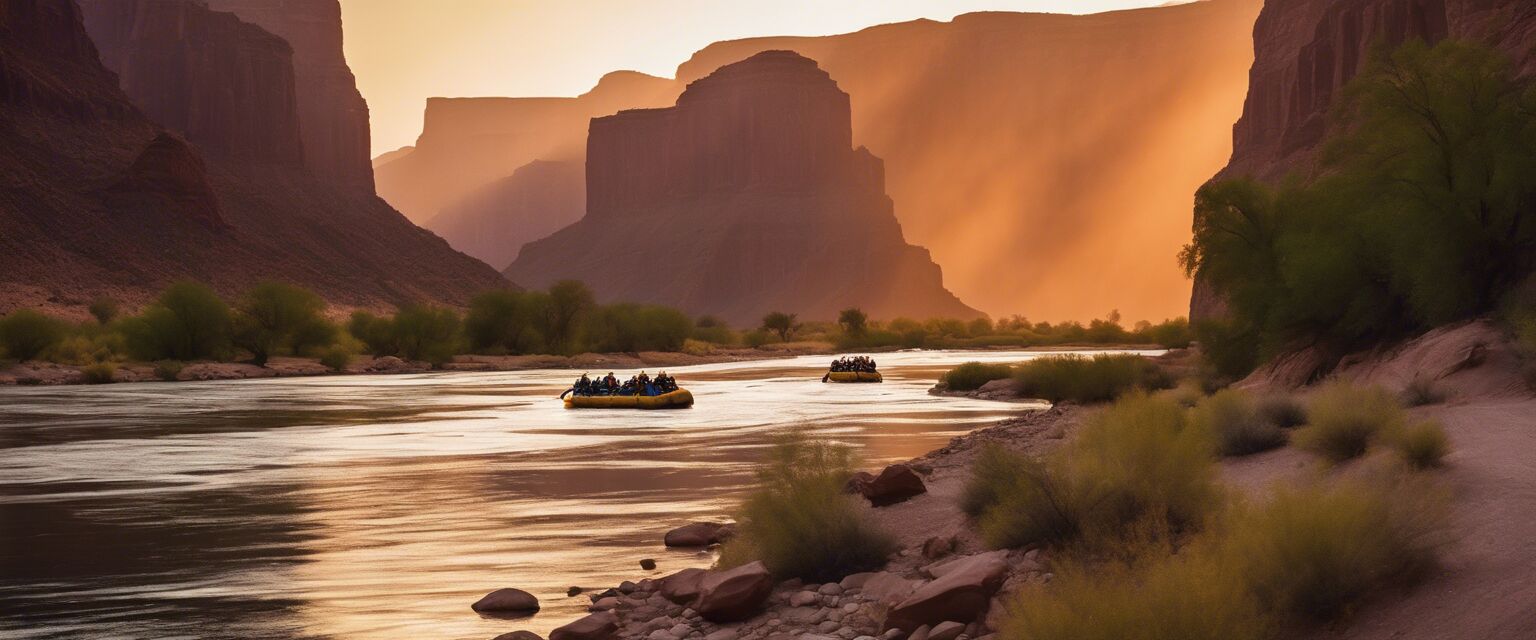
(1048, 161)
(494, 223)
(98, 199)
(746, 197)
(1307, 50)
(333, 116)
(225, 85)
(467, 143)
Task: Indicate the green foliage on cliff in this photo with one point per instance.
(1424, 212)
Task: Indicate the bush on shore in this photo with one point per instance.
(800, 523)
(1139, 468)
(1423, 445)
(26, 334)
(1074, 378)
(1240, 426)
(188, 322)
(1343, 421)
(99, 373)
(274, 317)
(972, 375)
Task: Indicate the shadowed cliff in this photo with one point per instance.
(746, 197)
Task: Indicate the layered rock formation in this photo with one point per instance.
(746, 197)
(495, 222)
(95, 198)
(1048, 161)
(1307, 50)
(333, 116)
(467, 143)
(225, 85)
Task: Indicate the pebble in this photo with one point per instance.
(830, 589)
(648, 564)
(627, 587)
(828, 626)
(680, 630)
(850, 607)
(803, 598)
(573, 592)
(891, 634)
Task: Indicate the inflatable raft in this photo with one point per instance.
(853, 376)
(671, 400)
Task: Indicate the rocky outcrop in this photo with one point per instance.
(748, 197)
(225, 85)
(1307, 50)
(96, 199)
(495, 222)
(333, 117)
(468, 143)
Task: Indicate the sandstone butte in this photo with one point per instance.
(746, 197)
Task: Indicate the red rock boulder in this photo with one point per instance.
(699, 534)
(733, 594)
(961, 593)
(507, 601)
(598, 626)
(896, 483)
(682, 587)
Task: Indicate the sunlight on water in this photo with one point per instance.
(383, 506)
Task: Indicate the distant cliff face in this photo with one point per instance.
(333, 116)
(468, 143)
(746, 197)
(495, 222)
(226, 85)
(95, 198)
(1307, 50)
(1048, 161)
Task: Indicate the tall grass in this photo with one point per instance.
(1137, 468)
(26, 334)
(800, 523)
(1343, 421)
(1423, 445)
(1240, 427)
(1100, 378)
(972, 375)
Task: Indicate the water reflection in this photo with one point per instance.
(381, 507)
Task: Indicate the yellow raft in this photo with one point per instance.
(679, 399)
(853, 376)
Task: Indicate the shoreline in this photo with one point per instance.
(38, 373)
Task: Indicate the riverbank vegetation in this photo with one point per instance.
(190, 322)
(1146, 544)
(800, 523)
(1065, 378)
(1421, 215)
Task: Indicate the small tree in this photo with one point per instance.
(275, 316)
(853, 320)
(427, 333)
(569, 302)
(188, 322)
(376, 333)
(781, 324)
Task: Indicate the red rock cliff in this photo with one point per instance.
(1307, 50)
(333, 116)
(746, 197)
(226, 85)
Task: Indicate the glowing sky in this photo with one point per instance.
(405, 51)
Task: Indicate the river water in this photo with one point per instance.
(383, 506)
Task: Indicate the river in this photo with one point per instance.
(381, 507)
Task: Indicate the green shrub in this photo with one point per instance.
(376, 333)
(1422, 391)
(1316, 553)
(168, 370)
(509, 322)
(1240, 427)
(99, 373)
(1188, 597)
(1423, 445)
(800, 523)
(104, 309)
(337, 358)
(1187, 393)
(714, 331)
(1137, 468)
(1098, 379)
(781, 324)
(1343, 421)
(1282, 409)
(26, 334)
(428, 333)
(188, 322)
(756, 338)
(972, 375)
(630, 328)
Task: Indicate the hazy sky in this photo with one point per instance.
(405, 51)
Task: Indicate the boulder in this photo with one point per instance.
(960, 593)
(699, 534)
(858, 482)
(519, 635)
(888, 588)
(733, 594)
(856, 580)
(507, 601)
(682, 587)
(598, 626)
(896, 483)
(946, 631)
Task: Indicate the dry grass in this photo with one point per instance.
(1240, 427)
(1101, 378)
(972, 375)
(1343, 421)
(1423, 445)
